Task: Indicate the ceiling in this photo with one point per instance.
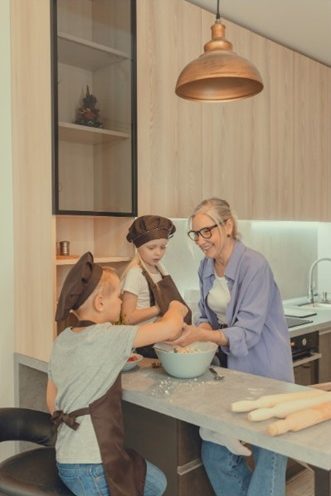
(303, 25)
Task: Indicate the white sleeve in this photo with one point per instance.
(134, 281)
(231, 443)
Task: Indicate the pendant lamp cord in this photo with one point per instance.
(218, 15)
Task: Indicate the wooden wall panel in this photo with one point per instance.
(34, 229)
(169, 130)
(312, 132)
(268, 155)
(251, 141)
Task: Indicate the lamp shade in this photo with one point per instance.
(219, 74)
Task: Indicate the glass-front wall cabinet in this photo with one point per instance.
(94, 107)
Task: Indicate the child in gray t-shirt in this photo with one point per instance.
(87, 360)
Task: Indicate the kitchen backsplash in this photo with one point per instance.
(290, 248)
(324, 250)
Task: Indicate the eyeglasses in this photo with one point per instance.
(205, 233)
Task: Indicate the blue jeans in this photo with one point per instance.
(89, 480)
(230, 476)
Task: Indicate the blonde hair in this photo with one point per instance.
(219, 211)
(137, 261)
(104, 286)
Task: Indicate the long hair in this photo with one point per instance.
(137, 261)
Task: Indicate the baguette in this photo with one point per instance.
(300, 420)
(272, 400)
(283, 409)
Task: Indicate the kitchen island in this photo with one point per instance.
(205, 402)
(162, 416)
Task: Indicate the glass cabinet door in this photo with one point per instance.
(94, 96)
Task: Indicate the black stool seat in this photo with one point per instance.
(32, 472)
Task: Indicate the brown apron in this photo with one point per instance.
(125, 469)
(164, 292)
(161, 294)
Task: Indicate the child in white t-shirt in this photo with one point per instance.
(147, 289)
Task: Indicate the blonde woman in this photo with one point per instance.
(240, 310)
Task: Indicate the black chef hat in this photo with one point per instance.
(150, 227)
(80, 282)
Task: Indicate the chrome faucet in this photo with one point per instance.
(311, 287)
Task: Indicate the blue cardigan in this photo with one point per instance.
(257, 330)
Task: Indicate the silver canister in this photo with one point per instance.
(65, 248)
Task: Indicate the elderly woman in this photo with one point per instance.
(240, 310)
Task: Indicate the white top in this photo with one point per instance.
(83, 366)
(218, 298)
(135, 283)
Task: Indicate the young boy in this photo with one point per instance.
(84, 386)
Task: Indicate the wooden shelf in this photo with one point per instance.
(72, 260)
(86, 54)
(88, 135)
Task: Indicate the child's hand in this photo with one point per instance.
(189, 335)
(179, 307)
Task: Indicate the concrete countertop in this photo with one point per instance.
(205, 402)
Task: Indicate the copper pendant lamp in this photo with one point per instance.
(219, 74)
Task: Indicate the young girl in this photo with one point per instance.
(84, 386)
(147, 288)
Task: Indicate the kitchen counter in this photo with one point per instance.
(320, 322)
(205, 402)
(198, 402)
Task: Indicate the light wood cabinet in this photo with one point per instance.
(95, 142)
(102, 236)
(269, 155)
(95, 167)
(34, 244)
(38, 273)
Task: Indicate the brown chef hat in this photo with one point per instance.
(80, 282)
(149, 227)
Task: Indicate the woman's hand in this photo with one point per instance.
(192, 334)
(189, 335)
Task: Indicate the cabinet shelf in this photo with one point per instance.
(94, 47)
(61, 260)
(86, 54)
(88, 135)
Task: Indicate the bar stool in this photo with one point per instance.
(32, 472)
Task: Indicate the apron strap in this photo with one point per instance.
(59, 417)
(84, 323)
(151, 286)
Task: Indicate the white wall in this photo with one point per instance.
(6, 222)
(290, 248)
(324, 251)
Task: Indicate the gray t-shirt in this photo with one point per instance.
(84, 366)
